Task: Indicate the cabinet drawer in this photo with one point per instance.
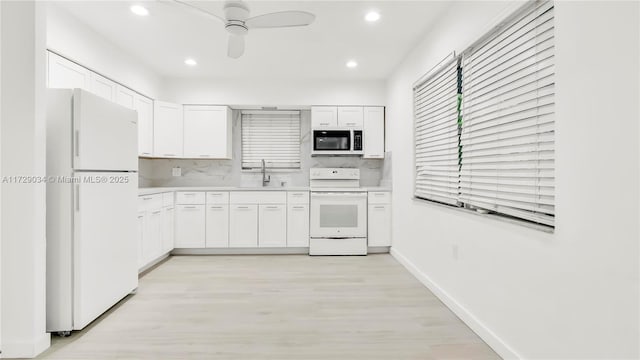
(379, 197)
(298, 197)
(191, 197)
(258, 197)
(149, 202)
(217, 197)
(167, 199)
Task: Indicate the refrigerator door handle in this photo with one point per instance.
(77, 143)
(77, 197)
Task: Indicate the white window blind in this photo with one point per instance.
(508, 118)
(436, 134)
(273, 136)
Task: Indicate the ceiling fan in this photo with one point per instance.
(238, 23)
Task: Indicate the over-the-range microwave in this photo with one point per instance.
(337, 142)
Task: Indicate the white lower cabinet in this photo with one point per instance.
(298, 225)
(379, 221)
(272, 225)
(243, 226)
(217, 226)
(141, 221)
(152, 239)
(168, 228)
(190, 226)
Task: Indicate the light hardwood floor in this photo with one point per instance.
(276, 307)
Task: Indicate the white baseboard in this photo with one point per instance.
(242, 251)
(495, 342)
(25, 349)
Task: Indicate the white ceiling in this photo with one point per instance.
(171, 33)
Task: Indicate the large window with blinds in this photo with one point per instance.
(505, 121)
(272, 136)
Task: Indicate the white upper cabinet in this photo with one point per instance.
(126, 97)
(144, 107)
(350, 116)
(324, 116)
(207, 132)
(167, 130)
(373, 132)
(103, 87)
(65, 74)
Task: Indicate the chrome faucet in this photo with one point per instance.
(265, 178)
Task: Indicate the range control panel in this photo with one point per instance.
(334, 174)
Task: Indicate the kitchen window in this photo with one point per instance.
(273, 136)
(505, 124)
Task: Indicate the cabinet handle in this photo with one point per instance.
(378, 194)
(298, 207)
(297, 194)
(169, 154)
(146, 198)
(215, 194)
(351, 123)
(146, 153)
(378, 207)
(190, 207)
(156, 212)
(189, 194)
(215, 207)
(271, 207)
(324, 123)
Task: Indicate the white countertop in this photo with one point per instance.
(156, 190)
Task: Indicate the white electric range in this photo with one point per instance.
(338, 212)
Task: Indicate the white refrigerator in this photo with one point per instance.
(92, 182)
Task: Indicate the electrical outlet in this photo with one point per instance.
(176, 171)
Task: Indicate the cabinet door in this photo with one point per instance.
(373, 132)
(64, 74)
(379, 225)
(141, 230)
(103, 87)
(298, 225)
(144, 106)
(167, 130)
(350, 116)
(217, 226)
(152, 239)
(243, 226)
(125, 97)
(207, 132)
(190, 226)
(324, 116)
(168, 227)
(272, 229)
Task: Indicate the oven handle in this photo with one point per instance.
(349, 194)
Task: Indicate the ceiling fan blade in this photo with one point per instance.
(235, 47)
(280, 19)
(193, 8)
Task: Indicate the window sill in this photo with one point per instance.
(492, 216)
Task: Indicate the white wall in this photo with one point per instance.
(275, 93)
(23, 154)
(530, 294)
(71, 38)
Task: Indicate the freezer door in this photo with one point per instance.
(105, 248)
(105, 134)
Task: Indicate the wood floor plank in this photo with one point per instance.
(276, 307)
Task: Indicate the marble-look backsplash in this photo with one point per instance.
(157, 172)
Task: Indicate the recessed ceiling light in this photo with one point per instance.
(190, 62)
(352, 64)
(139, 10)
(372, 16)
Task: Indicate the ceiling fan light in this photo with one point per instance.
(372, 16)
(139, 10)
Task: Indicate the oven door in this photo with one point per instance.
(338, 215)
